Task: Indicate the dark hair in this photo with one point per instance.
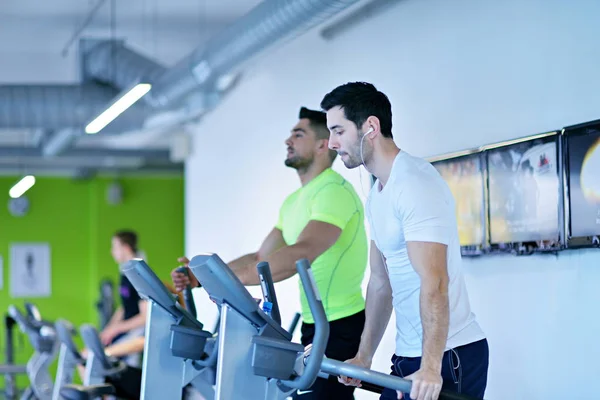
(318, 123)
(360, 100)
(128, 238)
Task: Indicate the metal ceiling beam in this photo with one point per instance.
(79, 173)
(14, 151)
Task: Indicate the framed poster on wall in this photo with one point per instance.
(524, 193)
(583, 183)
(464, 175)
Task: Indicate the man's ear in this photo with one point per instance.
(323, 146)
(372, 123)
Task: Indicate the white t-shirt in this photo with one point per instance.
(417, 205)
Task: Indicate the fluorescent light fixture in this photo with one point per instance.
(22, 186)
(118, 107)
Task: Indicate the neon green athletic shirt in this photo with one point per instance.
(339, 271)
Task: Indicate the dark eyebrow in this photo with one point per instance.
(299, 130)
(334, 127)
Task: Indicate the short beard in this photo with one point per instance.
(298, 163)
(353, 158)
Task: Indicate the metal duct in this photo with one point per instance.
(113, 63)
(58, 107)
(55, 107)
(262, 27)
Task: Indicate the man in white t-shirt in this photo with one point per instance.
(415, 255)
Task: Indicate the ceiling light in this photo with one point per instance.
(22, 186)
(118, 107)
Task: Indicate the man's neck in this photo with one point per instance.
(382, 160)
(310, 173)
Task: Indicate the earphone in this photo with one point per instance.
(361, 146)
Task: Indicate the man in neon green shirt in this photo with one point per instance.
(322, 221)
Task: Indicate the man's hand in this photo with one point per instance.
(358, 361)
(108, 334)
(426, 385)
(180, 280)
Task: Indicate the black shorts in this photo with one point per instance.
(128, 383)
(344, 339)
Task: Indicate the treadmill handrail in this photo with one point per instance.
(321, 336)
(92, 341)
(222, 285)
(24, 323)
(339, 368)
(65, 333)
(33, 312)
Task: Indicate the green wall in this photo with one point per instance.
(75, 218)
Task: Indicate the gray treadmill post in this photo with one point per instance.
(68, 357)
(268, 289)
(321, 336)
(9, 370)
(235, 379)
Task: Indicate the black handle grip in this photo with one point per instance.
(188, 298)
(268, 289)
(294, 323)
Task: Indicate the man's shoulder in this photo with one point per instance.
(290, 199)
(335, 187)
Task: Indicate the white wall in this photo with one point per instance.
(459, 74)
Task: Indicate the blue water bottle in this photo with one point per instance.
(267, 307)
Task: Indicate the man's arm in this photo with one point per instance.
(378, 306)
(377, 313)
(135, 345)
(116, 317)
(124, 326)
(313, 241)
(135, 322)
(272, 243)
(429, 260)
